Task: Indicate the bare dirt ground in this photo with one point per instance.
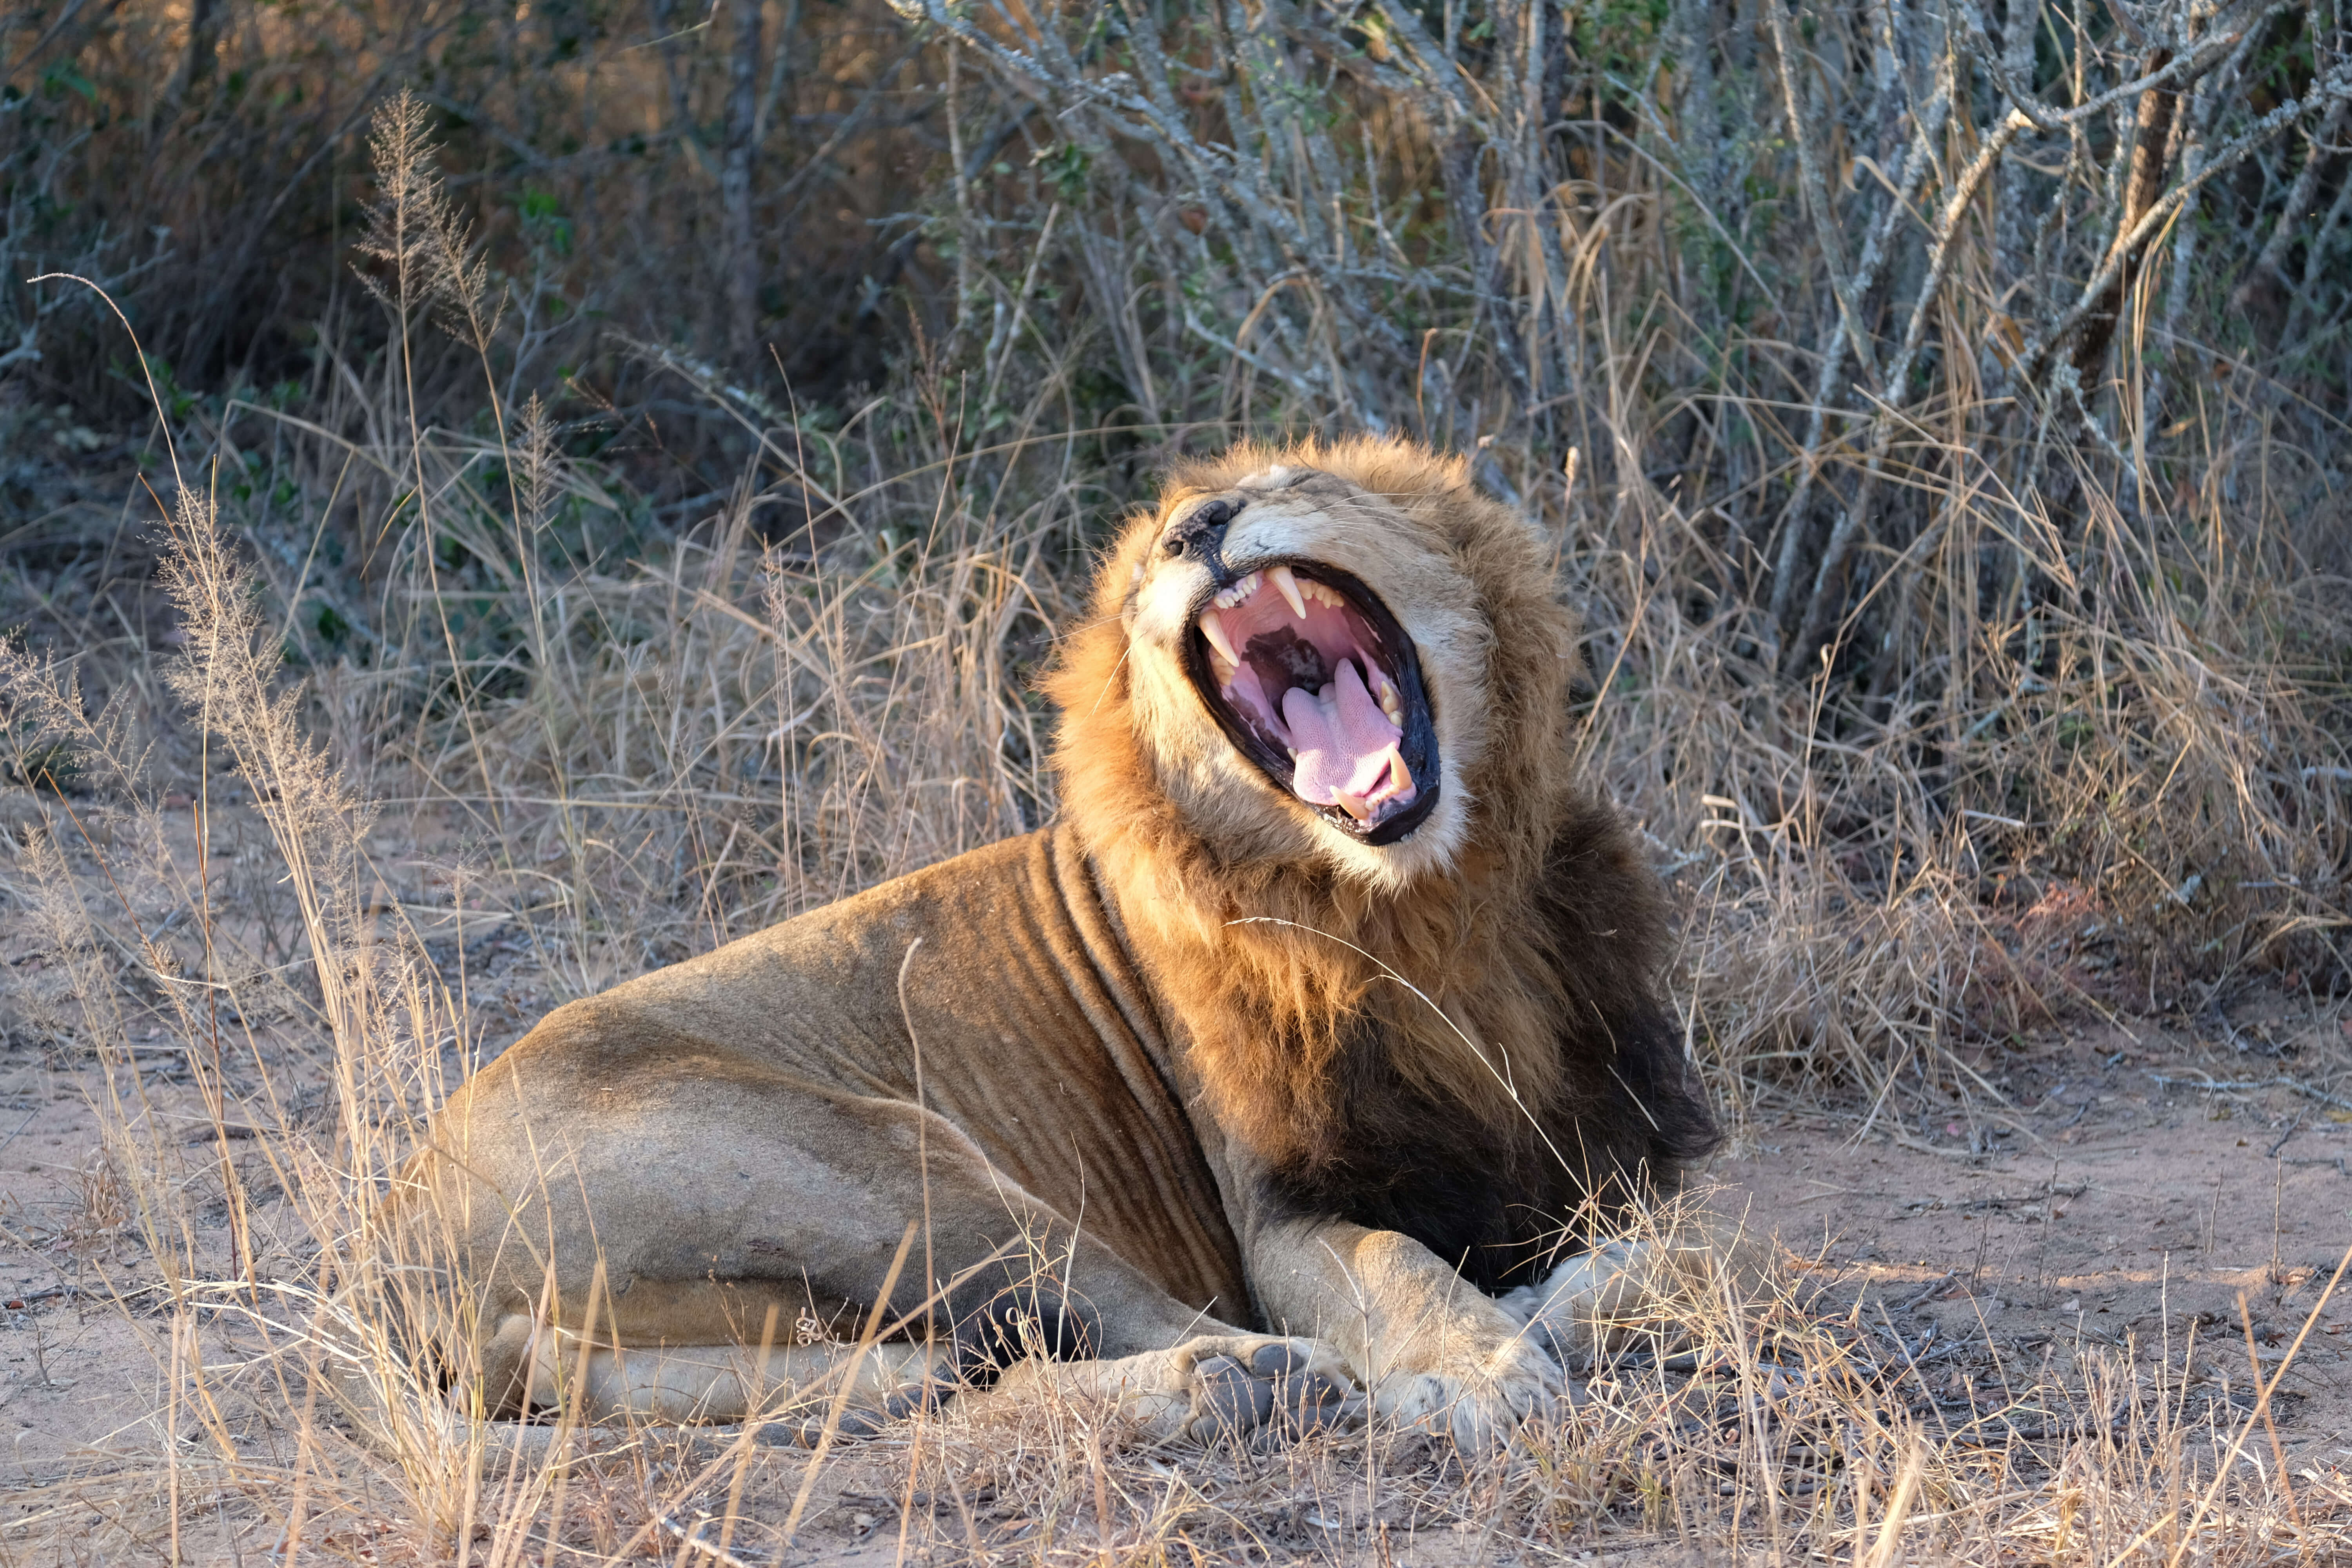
(2122, 1205)
(2164, 1190)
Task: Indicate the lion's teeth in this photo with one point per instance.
(1395, 714)
(1240, 591)
(1285, 584)
(1214, 628)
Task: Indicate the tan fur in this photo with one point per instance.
(1170, 1061)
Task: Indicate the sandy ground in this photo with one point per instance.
(2118, 1203)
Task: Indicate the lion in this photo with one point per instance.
(1290, 1075)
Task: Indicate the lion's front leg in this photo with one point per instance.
(1435, 1351)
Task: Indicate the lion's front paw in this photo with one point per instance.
(1478, 1401)
(1239, 1385)
(1591, 1302)
(1584, 1303)
(1216, 1386)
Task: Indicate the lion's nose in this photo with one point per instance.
(1201, 533)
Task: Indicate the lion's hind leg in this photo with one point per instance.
(732, 1382)
(793, 1393)
(1026, 1346)
(599, 1394)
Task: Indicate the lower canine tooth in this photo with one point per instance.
(1213, 628)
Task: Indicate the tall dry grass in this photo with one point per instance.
(1947, 465)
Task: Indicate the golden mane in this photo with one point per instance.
(1275, 965)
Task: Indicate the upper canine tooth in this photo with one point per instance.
(1213, 628)
(1288, 586)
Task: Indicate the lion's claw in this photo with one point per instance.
(1314, 1403)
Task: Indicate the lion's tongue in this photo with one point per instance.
(1347, 748)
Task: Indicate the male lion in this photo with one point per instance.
(1322, 1017)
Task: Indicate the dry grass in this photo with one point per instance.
(1959, 674)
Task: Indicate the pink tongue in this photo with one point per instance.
(1344, 748)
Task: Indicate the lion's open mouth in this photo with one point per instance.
(1313, 680)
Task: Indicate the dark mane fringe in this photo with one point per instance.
(1547, 937)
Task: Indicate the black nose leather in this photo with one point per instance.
(1202, 531)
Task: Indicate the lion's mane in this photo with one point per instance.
(1534, 1049)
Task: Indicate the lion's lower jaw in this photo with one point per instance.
(1431, 852)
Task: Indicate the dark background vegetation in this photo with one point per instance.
(1940, 411)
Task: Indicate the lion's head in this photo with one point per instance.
(1336, 655)
(1315, 733)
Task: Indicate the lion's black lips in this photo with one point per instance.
(1295, 651)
